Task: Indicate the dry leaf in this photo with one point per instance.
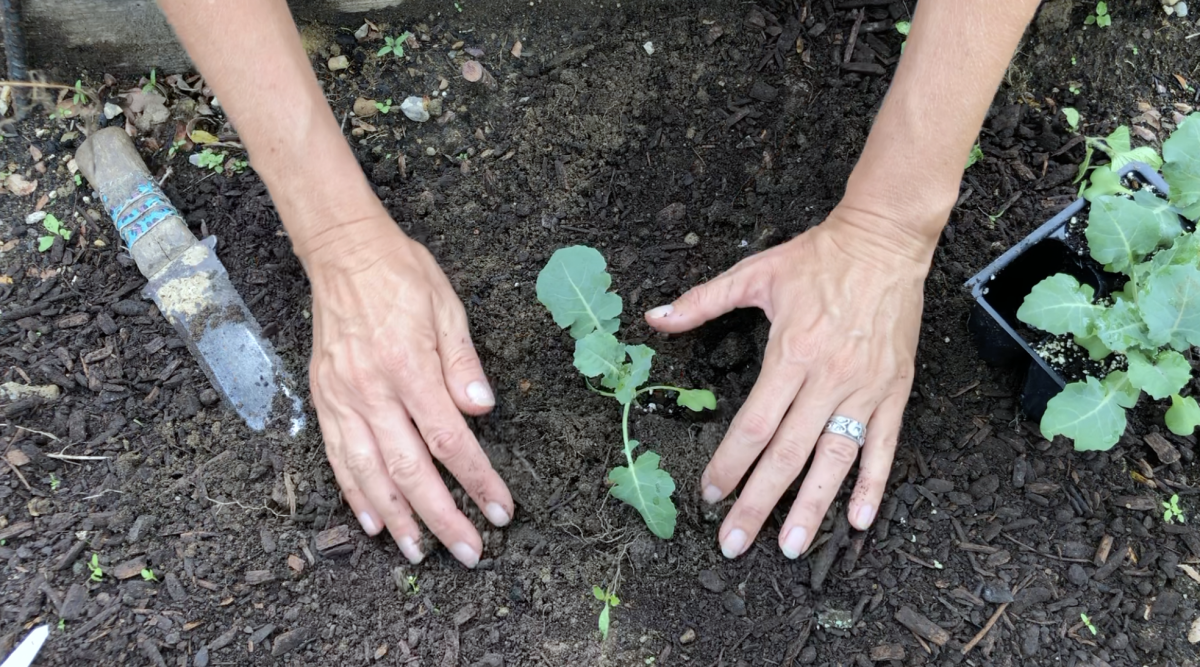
(1187, 569)
(35, 153)
(18, 459)
(8, 245)
(41, 203)
(290, 488)
(296, 563)
(1183, 83)
(6, 280)
(192, 625)
(202, 137)
(1194, 633)
(516, 49)
(19, 185)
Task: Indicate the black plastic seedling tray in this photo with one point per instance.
(1000, 289)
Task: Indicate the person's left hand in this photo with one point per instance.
(844, 300)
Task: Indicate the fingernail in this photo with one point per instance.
(794, 542)
(481, 394)
(660, 312)
(367, 523)
(734, 542)
(411, 551)
(711, 494)
(496, 514)
(465, 554)
(865, 514)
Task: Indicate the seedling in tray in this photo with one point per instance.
(574, 287)
(1137, 336)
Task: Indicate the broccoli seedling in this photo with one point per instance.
(94, 566)
(574, 288)
(1151, 321)
(1072, 118)
(1088, 622)
(56, 228)
(1118, 146)
(1173, 513)
(610, 600)
(394, 45)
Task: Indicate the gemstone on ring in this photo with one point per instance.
(848, 428)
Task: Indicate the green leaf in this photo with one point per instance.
(1171, 306)
(599, 593)
(1096, 348)
(1089, 150)
(1091, 18)
(1103, 20)
(648, 489)
(975, 155)
(1120, 327)
(44, 243)
(1121, 232)
(614, 600)
(1183, 416)
(604, 622)
(903, 27)
(1104, 181)
(1088, 413)
(634, 374)
(574, 287)
(51, 224)
(1101, 8)
(1161, 376)
(384, 51)
(1072, 117)
(600, 353)
(1127, 394)
(697, 399)
(1181, 168)
(1060, 304)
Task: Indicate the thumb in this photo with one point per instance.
(465, 380)
(704, 302)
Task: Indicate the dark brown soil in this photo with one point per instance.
(589, 139)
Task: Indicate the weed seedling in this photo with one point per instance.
(209, 159)
(1072, 118)
(78, 180)
(148, 575)
(1173, 513)
(903, 27)
(94, 566)
(384, 107)
(55, 482)
(410, 583)
(238, 166)
(394, 45)
(153, 82)
(175, 146)
(610, 600)
(1101, 17)
(574, 287)
(975, 156)
(1088, 622)
(1074, 88)
(62, 624)
(55, 228)
(80, 98)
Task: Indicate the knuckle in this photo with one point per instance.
(790, 454)
(402, 465)
(359, 463)
(446, 444)
(396, 362)
(755, 427)
(841, 367)
(461, 358)
(753, 512)
(811, 510)
(799, 348)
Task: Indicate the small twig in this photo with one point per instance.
(69, 457)
(853, 41)
(19, 475)
(33, 430)
(102, 493)
(986, 628)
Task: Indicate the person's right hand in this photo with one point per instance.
(392, 366)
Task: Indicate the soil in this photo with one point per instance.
(744, 140)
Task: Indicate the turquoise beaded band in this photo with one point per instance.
(138, 214)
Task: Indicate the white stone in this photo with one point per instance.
(111, 110)
(414, 108)
(1181, 9)
(649, 46)
(35, 217)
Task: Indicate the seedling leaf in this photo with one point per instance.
(1183, 416)
(1088, 412)
(600, 353)
(648, 489)
(604, 622)
(697, 399)
(634, 374)
(1121, 232)
(1181, 152)
(1072, 118)
(1096, 348)
(1171, 306)
(600, 594)
(1161, 376)
(1104, 181)
(44, 243)
(1120, 327)
(574, 287)
(1060, 304)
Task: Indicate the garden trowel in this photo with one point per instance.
(190, 286)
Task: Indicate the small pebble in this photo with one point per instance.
(692, 238)
(688, 636)
(338, 63)
(414, 108)
(502, 612)
(111, 111)
(1077, 575)
(1181, 10)
(430, 151)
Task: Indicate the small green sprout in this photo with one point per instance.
(238, 166)
(1173, 513)
(410, 583)
(175, 146)
(80, 98)
(903, 27)
(148, 575)
(1073, 61)
(1088, 622)
(55, 228)
(394, 45)
(1074, 88)
(78, 180)
(55, 482)
(1101, 18)
(384, 107)
(153, 83)
(94, 566)
(458, 7)
(62, 624)
(610, 600)
(975, 156)
(1072, 118)
(210, 159)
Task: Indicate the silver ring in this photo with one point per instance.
(848, 428)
